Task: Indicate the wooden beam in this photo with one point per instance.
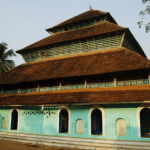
(68, 48)
(19, 90)
(45, 53)
(95, 43)
(40, 53)
(115, 80)
(102, 42)
(74, 46)
(50, 51)
(29, 56)
(123, 38)
(56, 50)
(149, 77)
(60, 85)
(85, 82)
(110, 40)
(81, 46)
(88, 44)
(24, 58)
(62, 49)
(118, 39)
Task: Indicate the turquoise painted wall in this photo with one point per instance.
(33, 122)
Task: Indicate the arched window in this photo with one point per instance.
(4, 123)
(96, 122)
(145, 121)
(79, 126)
(14, 120)
(121, 127)
(63, 121)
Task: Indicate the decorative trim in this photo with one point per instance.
(69, 117)
(7, 122)
(141, 106)
(121, 116)
(103, 117)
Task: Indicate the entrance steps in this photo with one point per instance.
(78, 143)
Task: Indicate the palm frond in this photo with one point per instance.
(8, 54)
(9, 63)
(5, 63)
(3, 48)
(3, 68)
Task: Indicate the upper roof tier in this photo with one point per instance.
(105, 27)
(97, 35)
(84, 19)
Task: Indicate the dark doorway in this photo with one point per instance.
(14, 119)
(145, 122)
(96, 122)
(63, 121)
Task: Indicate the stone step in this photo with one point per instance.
(74, 142)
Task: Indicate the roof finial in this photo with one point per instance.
(90, 7)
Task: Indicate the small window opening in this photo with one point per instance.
(96, 122)
(145, 122)
(66, 28)
(63, 121)
(14, 119)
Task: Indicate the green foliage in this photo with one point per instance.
(142, 14)
(5, 63)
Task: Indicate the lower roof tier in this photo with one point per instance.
(114, 95)
(108, 61)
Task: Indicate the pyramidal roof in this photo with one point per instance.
(83, 16)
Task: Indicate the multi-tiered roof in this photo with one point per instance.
(90, 45)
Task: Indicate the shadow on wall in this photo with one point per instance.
(32, 122)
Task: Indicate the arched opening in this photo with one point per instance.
(121, 127)
(63, 121)
(145, 122)
(79, 126)
(4, 123)
(96, 122)
(14, 119)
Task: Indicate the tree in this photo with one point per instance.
(142, 14)
(5, 63)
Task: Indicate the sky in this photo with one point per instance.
(23, 22)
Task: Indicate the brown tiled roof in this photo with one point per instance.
(98, 29)
(83, 16)
(126, 94)
(113, 60)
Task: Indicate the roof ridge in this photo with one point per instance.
(33, 43)
(75, 17)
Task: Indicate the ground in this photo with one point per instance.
(9, 145)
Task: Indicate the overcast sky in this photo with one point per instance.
(23, 22)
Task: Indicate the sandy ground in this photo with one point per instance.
(9, 145)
